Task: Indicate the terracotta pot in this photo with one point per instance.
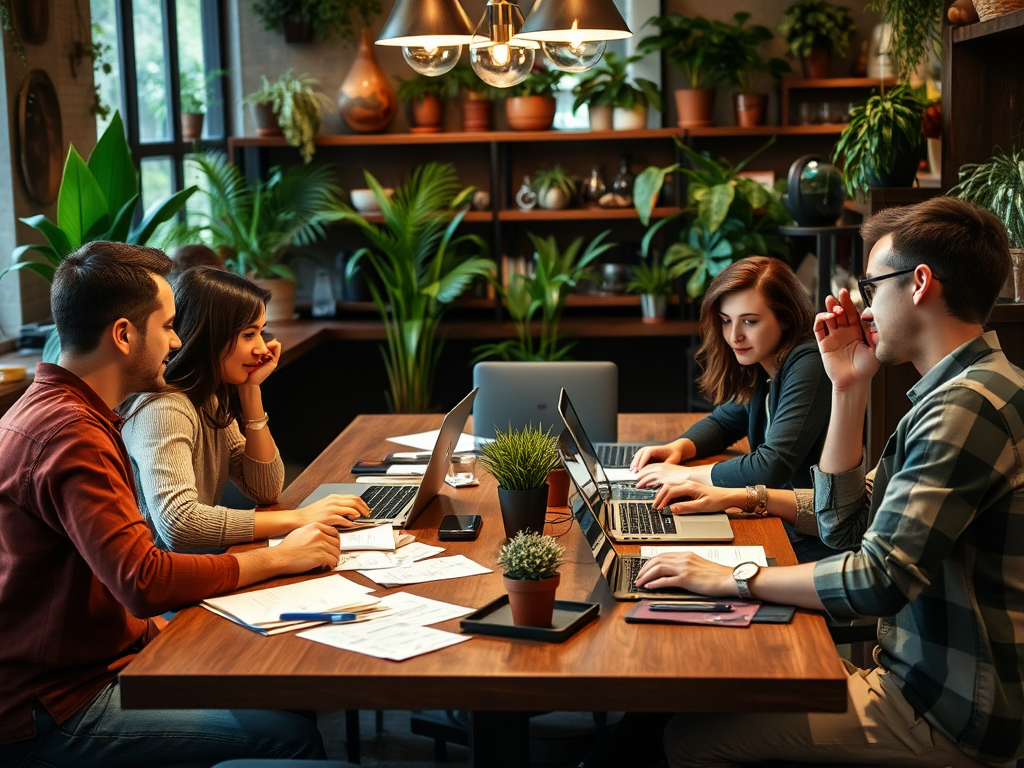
(366, 100)
(426, 114)
(523, 510)
(266, 120)
(634, 119)
(600, 118)
(532, 602)
(530, 113)
(476, 114)
(282, 299)
(750, 109)
(192, 126)
(817, 65)
(695, 106)
(558, 488)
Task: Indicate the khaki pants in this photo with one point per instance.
(879, 728)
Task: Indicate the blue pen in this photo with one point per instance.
(333, 618)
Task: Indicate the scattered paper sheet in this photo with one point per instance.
(384, 639)
(731, 556)
(619, 474)
(370, 537)
(439, 569)
(406, 469)
(425, 441)
(404, 608)
(401, 558)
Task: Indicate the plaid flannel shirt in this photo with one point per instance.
(941, 555)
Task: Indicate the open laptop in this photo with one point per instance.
(636, 520)
(620, 571)
(518, 394)
(400, 505)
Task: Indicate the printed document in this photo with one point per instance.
(384, 640)
(405, 556)
(425, 441)
(731, 556)
(404, 608)
(438, 569)
(375, 537)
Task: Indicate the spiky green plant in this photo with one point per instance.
(297, 103)
(546, 179)
(998, 186)
(521, 459)
(421, 268)
(531, 556)
(651, 277)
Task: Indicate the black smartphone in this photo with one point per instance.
(459, 527)
(370, 468)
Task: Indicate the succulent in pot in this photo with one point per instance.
(530, 562)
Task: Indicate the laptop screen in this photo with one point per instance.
(586, 448)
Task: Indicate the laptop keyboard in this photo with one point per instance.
(387, 501)
(638, 517)
(617, 454)
(633, 566)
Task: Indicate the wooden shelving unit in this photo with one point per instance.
(853, 90)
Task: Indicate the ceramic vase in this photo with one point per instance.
(634, 119)
(366, 101)
(600, 118)
(532, 601)
(282, 299)
(523, 510)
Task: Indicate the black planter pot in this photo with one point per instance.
(902, 174)
(523, 510)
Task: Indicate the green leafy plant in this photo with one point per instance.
(698, 46)
(540, 82)
(879, 135)
(608, 85)
(998, 186)
(556, 177)
(916, 30)
(196, 88)
(556, 273)
(257, 225)
(745, 63)
(651, 277)
(297, 104)
(466, 80)
(521, 459)
(327, 18)
(531, 556)
(421, 268)
(417, 87)
(729, 216)
(7, 22)
(815, 24)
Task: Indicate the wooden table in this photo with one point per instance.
(202, 660)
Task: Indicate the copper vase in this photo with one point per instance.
(366, 100)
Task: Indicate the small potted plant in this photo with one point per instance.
(530, 106)
(425, 97)
(303, 20)
(746, 66)
(477, 99)
(882, 144)
(521, 460)
(813, 30)
(555, 188)
(195, 86)
(616, 102)
(654, 282)
(530, 562)
(293, 104)
(698, 47)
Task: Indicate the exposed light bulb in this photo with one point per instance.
(432, 59)
(502, 65)
(574, 57)
(500, 54)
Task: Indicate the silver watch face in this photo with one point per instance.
(745, 571)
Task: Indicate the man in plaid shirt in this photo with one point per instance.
(938, 529)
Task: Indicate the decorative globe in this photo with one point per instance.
(816, 193)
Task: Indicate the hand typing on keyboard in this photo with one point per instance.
(688, 571)
(689, 498)
(337, 509)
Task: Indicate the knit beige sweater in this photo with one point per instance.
(181, 466)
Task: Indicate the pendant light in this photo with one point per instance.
(431, 34)
(573, 33)
(497, 54)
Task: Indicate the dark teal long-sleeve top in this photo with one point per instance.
(782, 452)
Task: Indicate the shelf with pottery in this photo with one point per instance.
(1006, 28)
(856, 88)
(580, 214)
(574, 300)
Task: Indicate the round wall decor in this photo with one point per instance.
(40, 138)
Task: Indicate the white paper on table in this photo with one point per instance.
(406, 469)
(619, 474)
(439, 569)
(731, 556)
(400, 558)
(265, 606)
(417, 550)
(404, 608)
(371, 537)
(384, 640)
(425, 441)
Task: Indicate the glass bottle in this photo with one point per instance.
(593, 187)
(623, 183)
(323, 295)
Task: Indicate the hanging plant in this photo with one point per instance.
(916, 30)
(326, 18)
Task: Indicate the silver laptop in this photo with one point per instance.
(636, 520)
(527, 393)
(400, 505)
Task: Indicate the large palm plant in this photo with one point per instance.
(421, 267)
(257, 224)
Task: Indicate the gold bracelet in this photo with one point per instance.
(761, 508)
(257, 423)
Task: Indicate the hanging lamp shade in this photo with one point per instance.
(559, 21)
(426, 23)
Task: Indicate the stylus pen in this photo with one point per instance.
(693, 607)
(333, 618)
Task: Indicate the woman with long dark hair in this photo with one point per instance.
(209, 424)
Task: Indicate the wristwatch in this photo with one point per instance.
(743, 574)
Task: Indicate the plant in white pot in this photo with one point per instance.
(615, 100)
(530, 562)
(521, 460)
(555, 188)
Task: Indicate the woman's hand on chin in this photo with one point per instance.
(266, 365)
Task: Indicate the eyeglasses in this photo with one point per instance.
(867, 285)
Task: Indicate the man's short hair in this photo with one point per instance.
(188, 256)
(99, 283)
(964, 245)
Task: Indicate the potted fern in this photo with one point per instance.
(813, 31)
(521, 460)
(530, 106)
(425, 97)
(530, 562)
(616, 102)
(290, 105)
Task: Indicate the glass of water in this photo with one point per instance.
(462, 470)
(323, 295)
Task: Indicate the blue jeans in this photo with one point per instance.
(103, 734)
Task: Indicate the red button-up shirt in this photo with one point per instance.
(79, 573)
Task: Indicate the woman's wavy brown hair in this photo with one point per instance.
(723, 378)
